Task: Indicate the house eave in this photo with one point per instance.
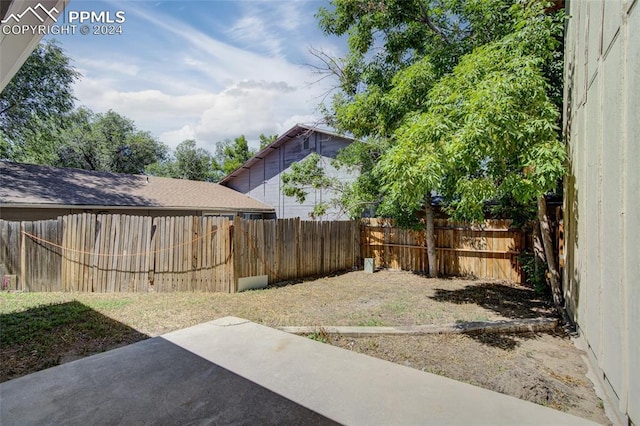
(107, 207)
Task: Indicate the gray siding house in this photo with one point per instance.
(260, 176)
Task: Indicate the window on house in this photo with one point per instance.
(305, 143)
(252, 216)
(229, 216)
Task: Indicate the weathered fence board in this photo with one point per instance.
(485, 251)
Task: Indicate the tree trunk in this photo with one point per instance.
(430, 236)
(554, 275)
(538, 249)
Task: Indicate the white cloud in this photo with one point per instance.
(252, 31)
(110, 66)
(174, 137)
(272, 26)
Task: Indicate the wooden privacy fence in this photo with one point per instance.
(122, 253)
(485, 251)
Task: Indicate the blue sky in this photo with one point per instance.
(203, 70)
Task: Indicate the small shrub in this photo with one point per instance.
(534, 276)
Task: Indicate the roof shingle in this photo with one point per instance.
(28, 184)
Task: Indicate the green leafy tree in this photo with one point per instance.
(38, 123)
(39, 142)
(231, 154)
(398, 49)
(106, 142)
(488, 131)
(188, 162)
(39, 94)
(350, 197)
(75, 144)
(5, 147)
(163, 168)
(306, 175)
(195, 163)
(386, 36)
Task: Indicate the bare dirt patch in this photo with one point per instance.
(543, 368)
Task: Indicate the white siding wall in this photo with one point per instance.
(602, 191)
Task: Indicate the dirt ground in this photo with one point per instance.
(544, 368)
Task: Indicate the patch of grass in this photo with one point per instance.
(39, 337)
(109, 304)
(396, 307)
(427, 316)
(37, 324)
(19, 301)
(320, 336)
(372, 322)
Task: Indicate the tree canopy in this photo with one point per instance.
(196, 163)
(104, 142)
(266, 140)
(39, 94)
(39, 124)
(386, 36)
(487, 130)
(231, 154)
(463, 90)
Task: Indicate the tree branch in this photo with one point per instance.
(428, 22)
(330, 65)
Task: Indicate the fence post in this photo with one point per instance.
(298, 230)
(23, 256)
(234, 241)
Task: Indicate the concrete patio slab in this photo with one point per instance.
(232, 371)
